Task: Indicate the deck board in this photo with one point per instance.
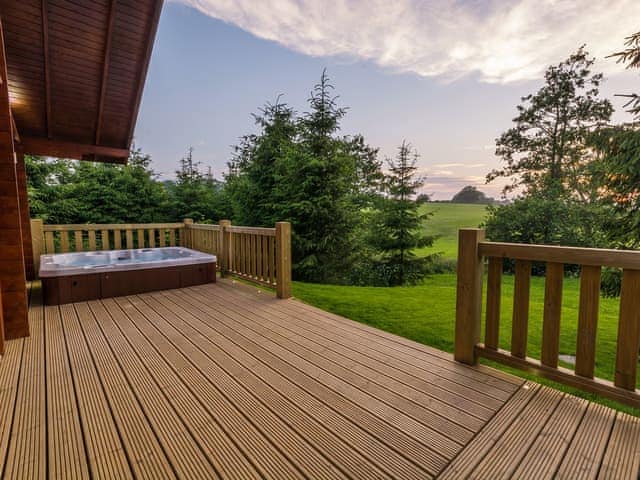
(27, 449)
(226, 381)
(354, 444)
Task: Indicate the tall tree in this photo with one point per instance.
(616, 173)
(544, 152)
(314, 193)
(398, 226)
(252, 173)
(197, 195)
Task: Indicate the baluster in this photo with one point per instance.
(628, 331)
(494, 283)
(92, 240)
(587, 320)
(551, 317)
(520, 322)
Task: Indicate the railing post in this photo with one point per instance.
(37, 241)
(186, 240)
(225, 246)
(283, 259)
(469, 295)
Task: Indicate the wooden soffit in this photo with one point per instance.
(76, 71)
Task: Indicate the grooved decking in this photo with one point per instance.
(221, 381)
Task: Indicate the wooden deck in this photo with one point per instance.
(223, 381)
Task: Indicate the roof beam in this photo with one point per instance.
(144, 66)
(47, 70)
(105, 68)
(78, 151)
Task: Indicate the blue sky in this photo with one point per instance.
(447, 86)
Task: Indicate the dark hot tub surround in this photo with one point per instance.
(80, 276)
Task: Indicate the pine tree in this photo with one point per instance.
(631, 57)
(196, 195)
(398, 228)
(252, 173)
(315, 189)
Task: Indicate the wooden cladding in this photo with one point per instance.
(260, 255)
(472, 254)
(12, 197)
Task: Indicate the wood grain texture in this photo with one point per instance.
(588, 321)
(76, 72)
(283, 259)
(222, 381)
(628, 331)
(494, 297)
(552, 312)
(595, 257)
(520, 321)
(468, 295)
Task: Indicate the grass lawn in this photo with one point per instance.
(447, 218)
(426, 313)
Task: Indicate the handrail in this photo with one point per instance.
(69, 227)
(567, 255)
(472, 253)
(260, 255)
(107, 236)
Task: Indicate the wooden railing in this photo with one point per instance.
(472, 252)
(260, 255)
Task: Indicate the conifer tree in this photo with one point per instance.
(398, 229)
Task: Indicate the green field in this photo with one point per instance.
(447, 218)
(426, 313)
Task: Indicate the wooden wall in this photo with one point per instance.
(12, 271)
(25, 218)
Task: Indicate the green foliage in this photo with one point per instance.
(48, 187)
(546, 221)
(195, 195)
(63, 191)
(396, 229)
(611, 282)
(550, 153)
(471, 195)
(545, 151)
(618, 172)
(252, 177)
(631, 56)
(541, 220)
(298, 169)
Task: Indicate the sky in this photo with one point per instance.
(444, 75)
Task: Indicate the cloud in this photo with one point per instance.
(500, 41)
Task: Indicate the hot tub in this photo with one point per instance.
(79, 276)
